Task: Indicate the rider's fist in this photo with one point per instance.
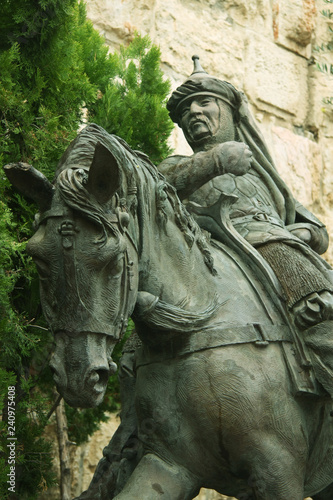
(233, 157)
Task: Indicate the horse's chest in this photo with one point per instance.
(207, 397)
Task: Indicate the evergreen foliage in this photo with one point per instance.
(133, 105)
(326, 48)
(54, 63)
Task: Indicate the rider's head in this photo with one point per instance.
(212, 111)
(205, 108)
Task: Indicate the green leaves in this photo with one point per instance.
(44, 83)
(53, 64)
(324, 49)
(133, 105)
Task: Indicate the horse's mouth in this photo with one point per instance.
(89, 393)
(85, 392)
(85, 400)
(82, 365)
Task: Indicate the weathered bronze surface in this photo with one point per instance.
(231, 373)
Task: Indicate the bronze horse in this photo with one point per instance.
(225, 398)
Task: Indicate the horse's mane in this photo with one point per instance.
(81, 150)
(72, 171)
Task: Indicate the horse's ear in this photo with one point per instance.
(31, 183)
(104, 174)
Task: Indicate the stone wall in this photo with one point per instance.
(263, 47)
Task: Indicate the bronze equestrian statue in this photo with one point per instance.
(232, 387)
(212, 113)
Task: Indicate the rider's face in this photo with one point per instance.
(200, 118)
(206, 121)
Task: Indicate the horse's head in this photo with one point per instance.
(85, 258)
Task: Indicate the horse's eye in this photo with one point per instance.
(42, 268)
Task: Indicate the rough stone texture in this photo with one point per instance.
(294, 24)
(263, 47)
(276, 80)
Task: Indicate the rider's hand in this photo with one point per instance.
(233, 157)
(301, 231)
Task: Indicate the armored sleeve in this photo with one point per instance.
(189, 173)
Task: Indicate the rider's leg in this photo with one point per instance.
(308, 291)
(313, 309)
(154, 479)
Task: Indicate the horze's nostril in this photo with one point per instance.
(112, 367)
(103, 375)
(99, 376)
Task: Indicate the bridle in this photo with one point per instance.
(67, 230)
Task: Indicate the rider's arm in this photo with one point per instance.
(316, 237)
(189, 173)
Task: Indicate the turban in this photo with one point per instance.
(200, 83)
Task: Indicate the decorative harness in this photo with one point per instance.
(68, 230)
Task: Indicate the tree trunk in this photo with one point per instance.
(64, 453)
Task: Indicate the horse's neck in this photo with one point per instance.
(174, 272)
(173, 251)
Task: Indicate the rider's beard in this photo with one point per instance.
(215, 131)
(199, 130)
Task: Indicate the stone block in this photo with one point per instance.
(320, 116)
(294, 23)
(197, 29)
(320, 84)
(327, 181)
(299, 162)
(247, 13)
(276, 80)
(118, 20)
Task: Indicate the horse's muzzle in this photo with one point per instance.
(81, 366)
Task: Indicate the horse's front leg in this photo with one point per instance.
(123, 452)
(326, 494)
(275, 472)
(153, 478)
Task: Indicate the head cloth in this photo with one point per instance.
(200, 83)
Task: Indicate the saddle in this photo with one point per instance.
(308, 357)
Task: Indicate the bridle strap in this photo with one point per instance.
(67, 212)
(128, 290)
